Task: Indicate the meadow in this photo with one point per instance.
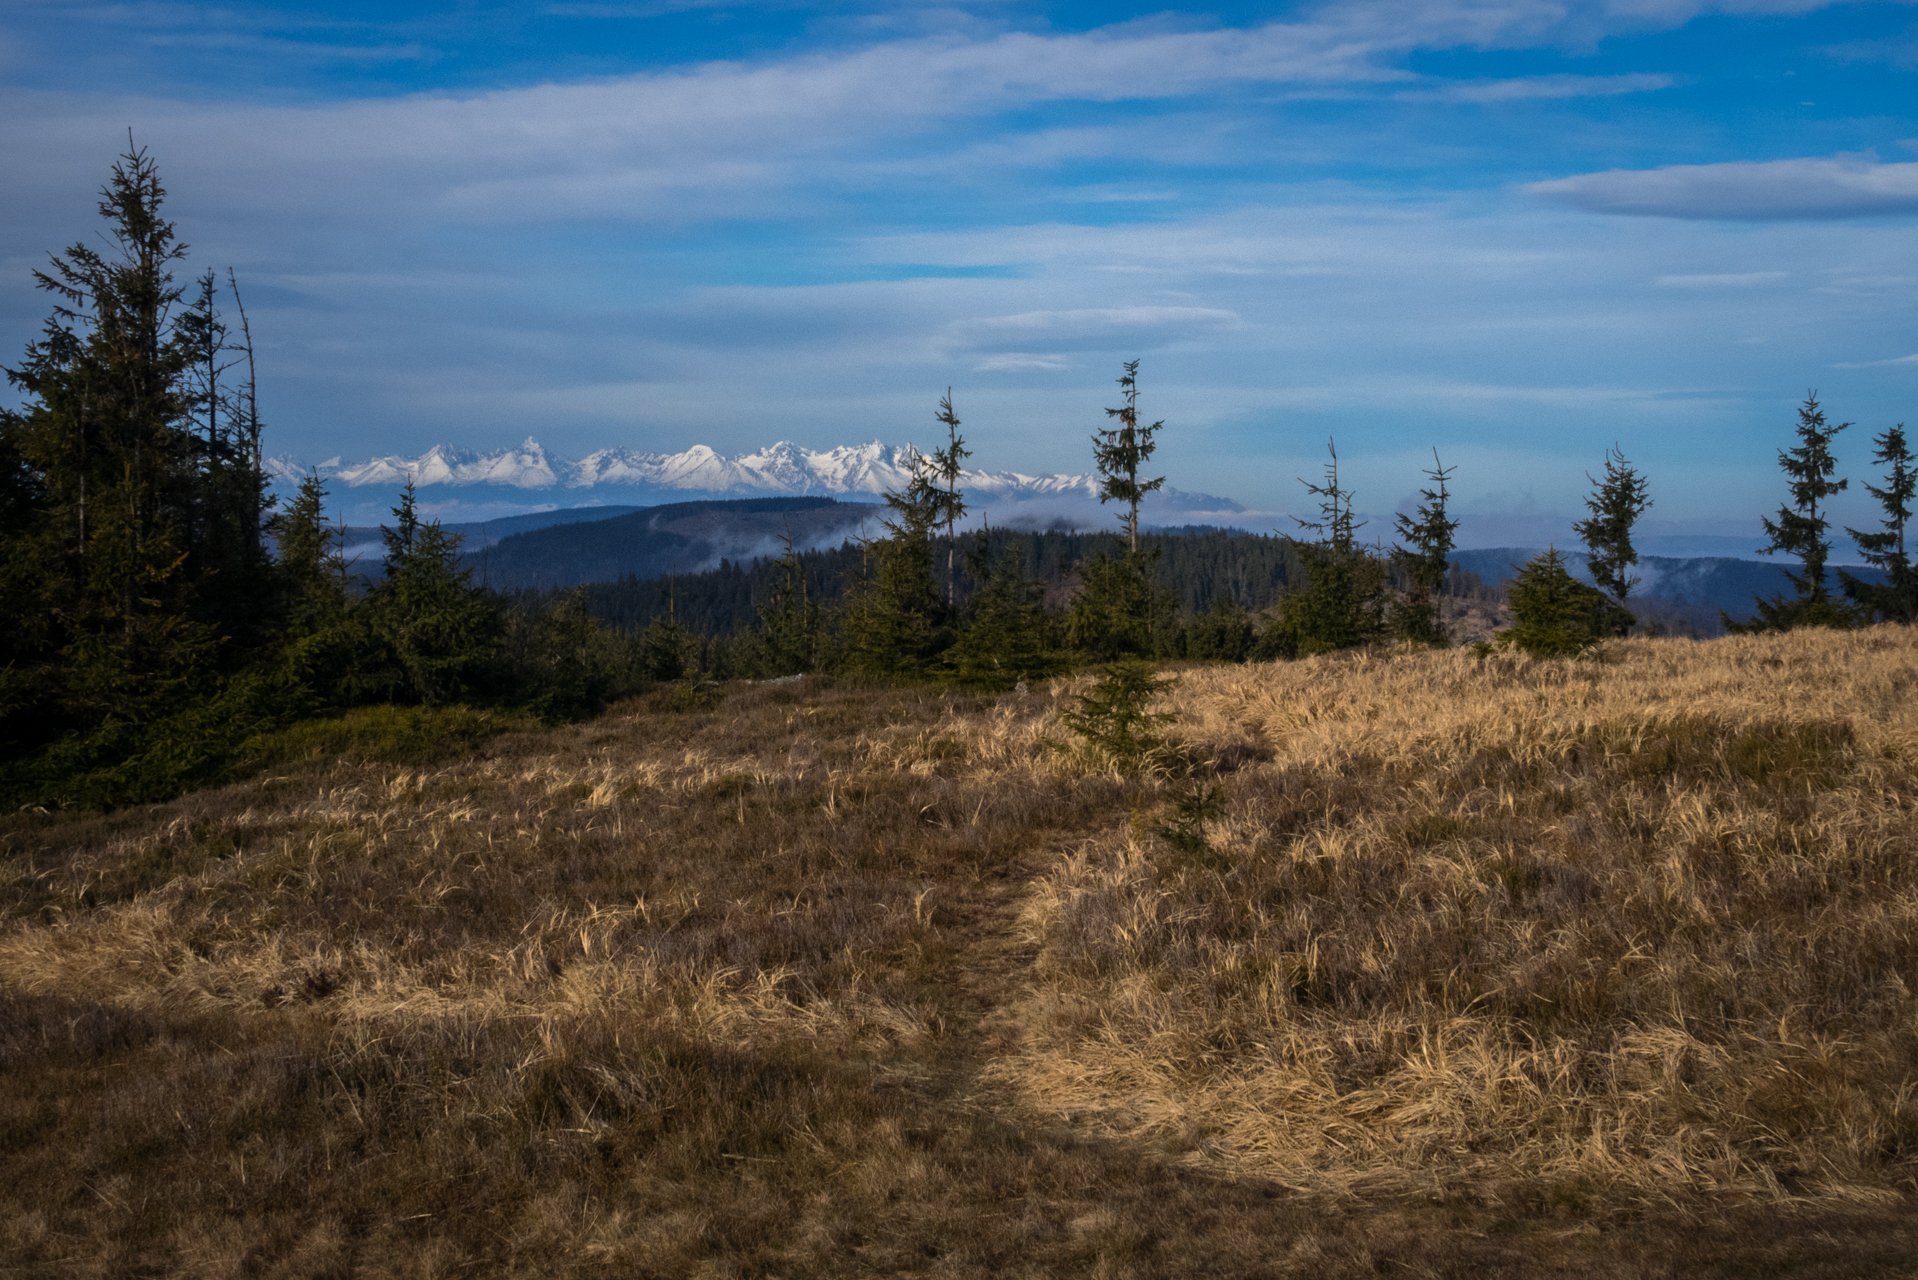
(1393, 962)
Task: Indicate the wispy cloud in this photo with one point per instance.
(1770, 191)
(1731, 280)
(1090, 329)
(1017, 361)
(1528, 87)
(1875, 364)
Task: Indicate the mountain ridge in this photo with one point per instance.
(780, 468)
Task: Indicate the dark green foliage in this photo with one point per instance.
(1006, 637)
(436, 626)
(1616, 503)
(947, 466)
(1118, 610)
(663, 650)
(151, 630)
(561, 663)
(1800, 531)
(1120, 451)
(138, 587)
(327, 645)
(1112, 717)
(1341, 607)
(1196, 565)
(381, 734)
(1342, 604)
(1424, 557)
(1895, 599)
(1183, 828)
(1223, 633)
(1554, 615)
(895, 621)
(790, 637)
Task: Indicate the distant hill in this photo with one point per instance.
(484, 533)
(1707, 583)
(650, 542)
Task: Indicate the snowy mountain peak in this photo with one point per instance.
(780, 468)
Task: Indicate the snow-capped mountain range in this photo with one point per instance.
(783, 468)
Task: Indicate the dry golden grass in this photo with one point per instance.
(1633, 929)
(1489, 968)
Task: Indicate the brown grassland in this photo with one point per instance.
(1436, 966)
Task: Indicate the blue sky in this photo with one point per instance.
(1516, 231)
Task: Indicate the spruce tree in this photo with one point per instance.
(1119, 452)
(1424, 558)
(133, 566)
(1616, 503)
(142, 601)
(895, 620)
(1554, 615)
(1800, 531)
(327, 644)
(1895, 599)
(789, 631)
(662, 649)
(947, 466)
(438, 628)
(1343, 602)
(1004, 638)
(1117, 610)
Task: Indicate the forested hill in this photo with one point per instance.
(1198, 564)
(682, 537)
(718, 555)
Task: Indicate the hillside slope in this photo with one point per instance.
(683, 537)
(1419, 964)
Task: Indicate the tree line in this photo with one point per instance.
(166, 609)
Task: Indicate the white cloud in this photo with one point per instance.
(1770, 191)
(1015, 361)
(1090, 328)
(1560, 86)
(1732, 280)
(720, 139)
(1875, 364)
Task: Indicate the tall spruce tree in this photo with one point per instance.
(1800, 531)
(1616, 503)
(1424, 557)
(132, 560)
(1896, 598)
(1343, 603)
(1119, 453)
(1117, 609)
(947, 465)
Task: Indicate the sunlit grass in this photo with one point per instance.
(1413, 961)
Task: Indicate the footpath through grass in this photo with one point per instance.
(1463, 969)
